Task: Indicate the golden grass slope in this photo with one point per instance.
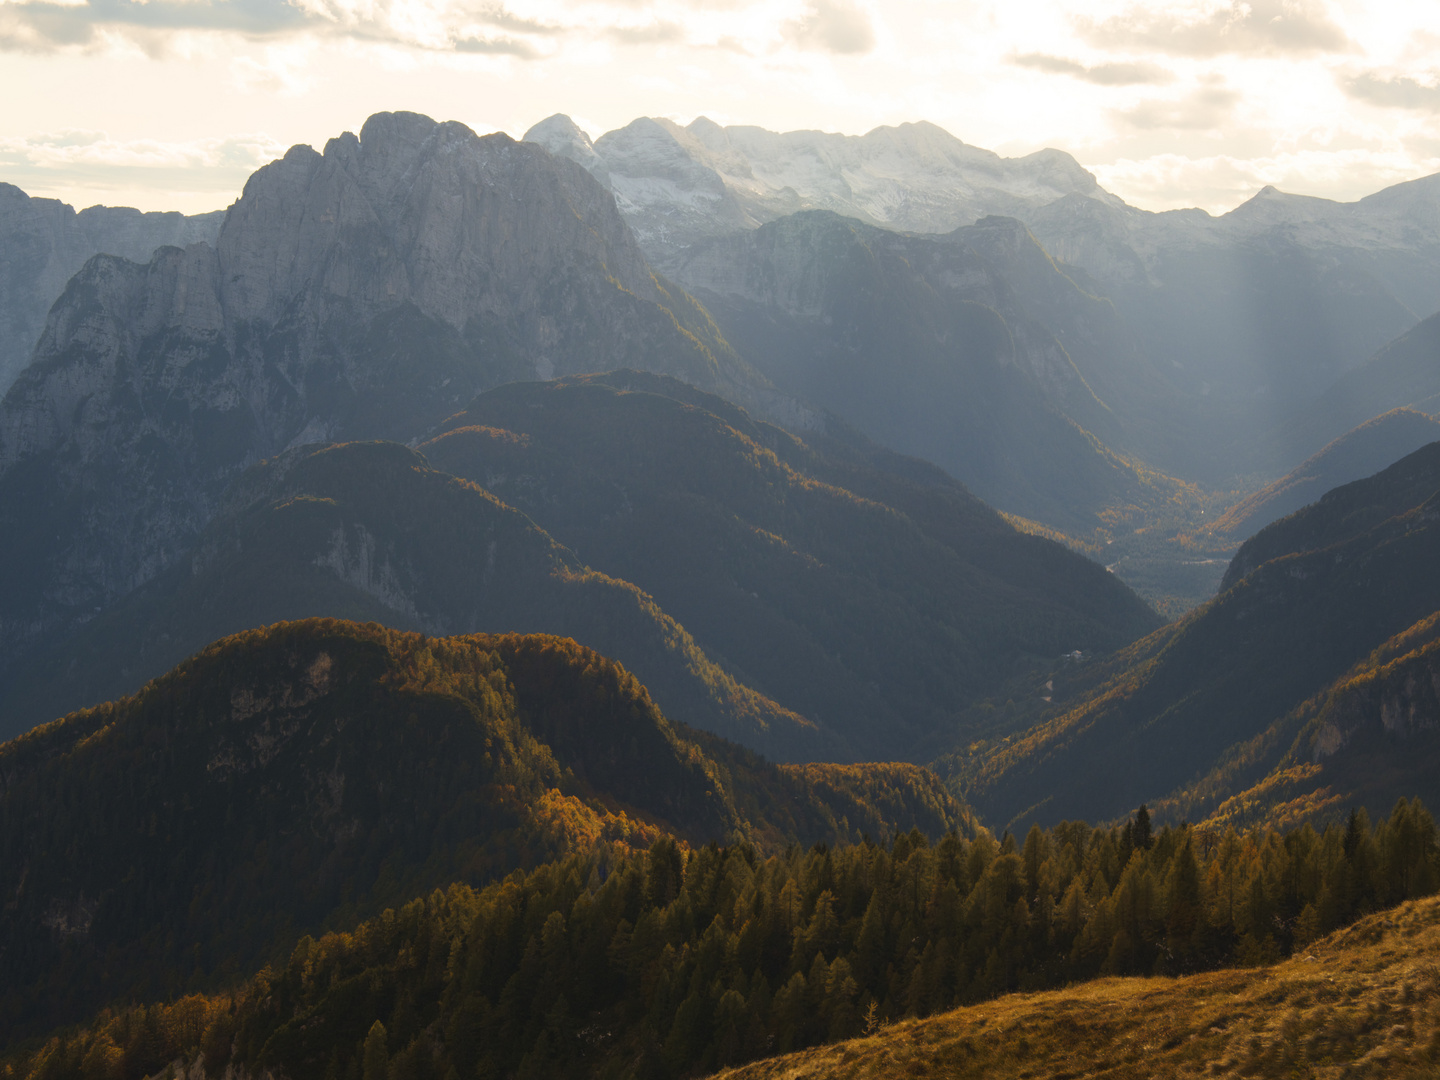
(1364, 1002)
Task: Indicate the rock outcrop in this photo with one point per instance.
(44, 242)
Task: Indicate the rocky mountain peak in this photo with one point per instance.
(43, 242)
(438, 215)
(562, 137)
(366, 291)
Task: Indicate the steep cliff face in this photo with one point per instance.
(369, 291)
(44, 242)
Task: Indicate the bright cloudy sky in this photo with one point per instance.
(170, 104)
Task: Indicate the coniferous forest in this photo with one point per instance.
(676, 961)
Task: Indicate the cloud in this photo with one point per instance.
(1256, 27)
(515, 28)
(836, 26)
(1396, 93)
(1201, 110)
(659, 32)
(49, 26)
(78, 147)
(88, 167)
(497, 46)
(285, 70)
(1221, 182)
(42, 26)
(1108, 74)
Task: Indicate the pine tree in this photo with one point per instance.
(375, 1057)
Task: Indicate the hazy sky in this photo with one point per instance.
(170, 104)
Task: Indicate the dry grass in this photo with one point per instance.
(1364, 1002)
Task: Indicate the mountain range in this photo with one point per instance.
(1249, 315)
(787, 595)
(500, 600)
(367, 292)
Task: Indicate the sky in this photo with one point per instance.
(171, 104)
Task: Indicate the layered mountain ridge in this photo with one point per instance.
(821, 600)
(1249, 315)
(1222, 704)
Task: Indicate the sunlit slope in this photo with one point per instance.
(869, 592)
(1364, 1002)
(1358, 453)
(1404, 372)
(1307, 598)
(1370, 737)
(1343, 513)
(301, 777)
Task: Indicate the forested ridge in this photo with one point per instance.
(303, 777)
(673, 962)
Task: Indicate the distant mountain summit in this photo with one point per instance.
(678, 185)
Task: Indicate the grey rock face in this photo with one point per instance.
(366, 292)
(43, 242)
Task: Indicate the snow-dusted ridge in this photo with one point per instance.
(678, 185)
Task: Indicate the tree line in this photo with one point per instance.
(674, 962)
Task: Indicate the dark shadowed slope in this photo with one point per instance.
(370, 531)
(869, 592)
(1369, 738)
